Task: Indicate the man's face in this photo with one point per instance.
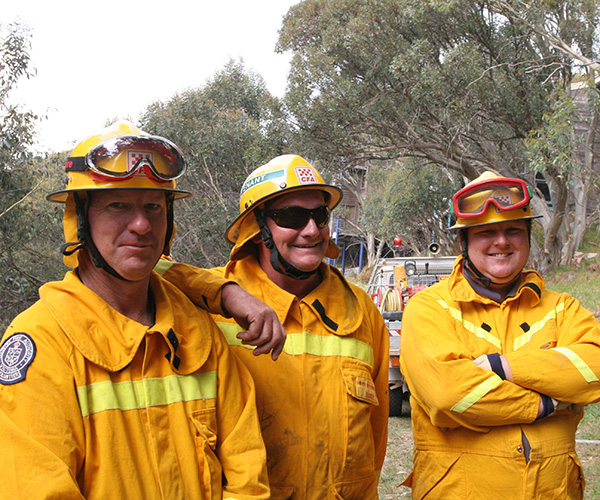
(129, 229)
(500, 251)
(305, 247)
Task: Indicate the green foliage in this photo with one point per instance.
(29, 228)
(410, 200)
(552, 146)
(389, 78)
(16, 126)
(30, 235)
(226, 128)
(458, 84)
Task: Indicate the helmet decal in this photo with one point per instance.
(262, 178)
(282, 175)
(306, 175)
(134, 157)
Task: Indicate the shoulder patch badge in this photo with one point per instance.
(16, 354)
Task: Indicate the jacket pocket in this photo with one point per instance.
(205, 423)
(357, 432)
(574, 478)
(431, 470)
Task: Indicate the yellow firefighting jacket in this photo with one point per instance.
(476, 435)
(94, 405)
(323, 405)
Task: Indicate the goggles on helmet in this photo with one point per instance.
(505, 193)
(298, 217)
(124, 156)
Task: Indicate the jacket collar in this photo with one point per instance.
(532, 285)
(110, 340)
(333, 302)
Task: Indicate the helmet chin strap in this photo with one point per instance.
(477, 274)
(86, 241)
(277, 261)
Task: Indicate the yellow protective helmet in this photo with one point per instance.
(489, 199)
(120, 156)
(281, 176)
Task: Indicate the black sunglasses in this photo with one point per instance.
(298, 217)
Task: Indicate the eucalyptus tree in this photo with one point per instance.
(30, 230)
(226, 128)
(458, 84)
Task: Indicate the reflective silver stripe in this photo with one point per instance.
(308, 343)
(133, 395)
(477, 393)
(522, 339)
(476, 330)
(580, 364)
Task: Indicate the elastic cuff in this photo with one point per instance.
(496, 364)
(548, 406)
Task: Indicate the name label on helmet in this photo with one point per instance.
(306, 175)
(259, 179)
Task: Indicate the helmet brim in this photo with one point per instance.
(62, 195)
(458, 226)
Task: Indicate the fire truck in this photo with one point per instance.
(391, 285)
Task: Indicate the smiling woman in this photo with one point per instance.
(493, 357)
(499, 251)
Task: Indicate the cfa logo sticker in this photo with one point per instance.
(16, 354)
(305, 175)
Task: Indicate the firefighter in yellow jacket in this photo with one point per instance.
(323, 404)
(114, 384)
(499, 367)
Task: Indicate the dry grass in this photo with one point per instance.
(398, 460)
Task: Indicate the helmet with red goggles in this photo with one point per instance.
(120, 156)
(123, 157)
(489, 199)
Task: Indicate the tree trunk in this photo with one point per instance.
(553, 237)
(580, 195)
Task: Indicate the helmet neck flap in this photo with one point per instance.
(119, 157)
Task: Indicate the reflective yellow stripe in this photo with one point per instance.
(522, 339)
(477, 393)
(133, 395)
(579, 363)
(476, 330)
(163, 265)
(308, 343)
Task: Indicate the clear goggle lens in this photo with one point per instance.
(122, 157)
(506, 194)
(298, 217)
